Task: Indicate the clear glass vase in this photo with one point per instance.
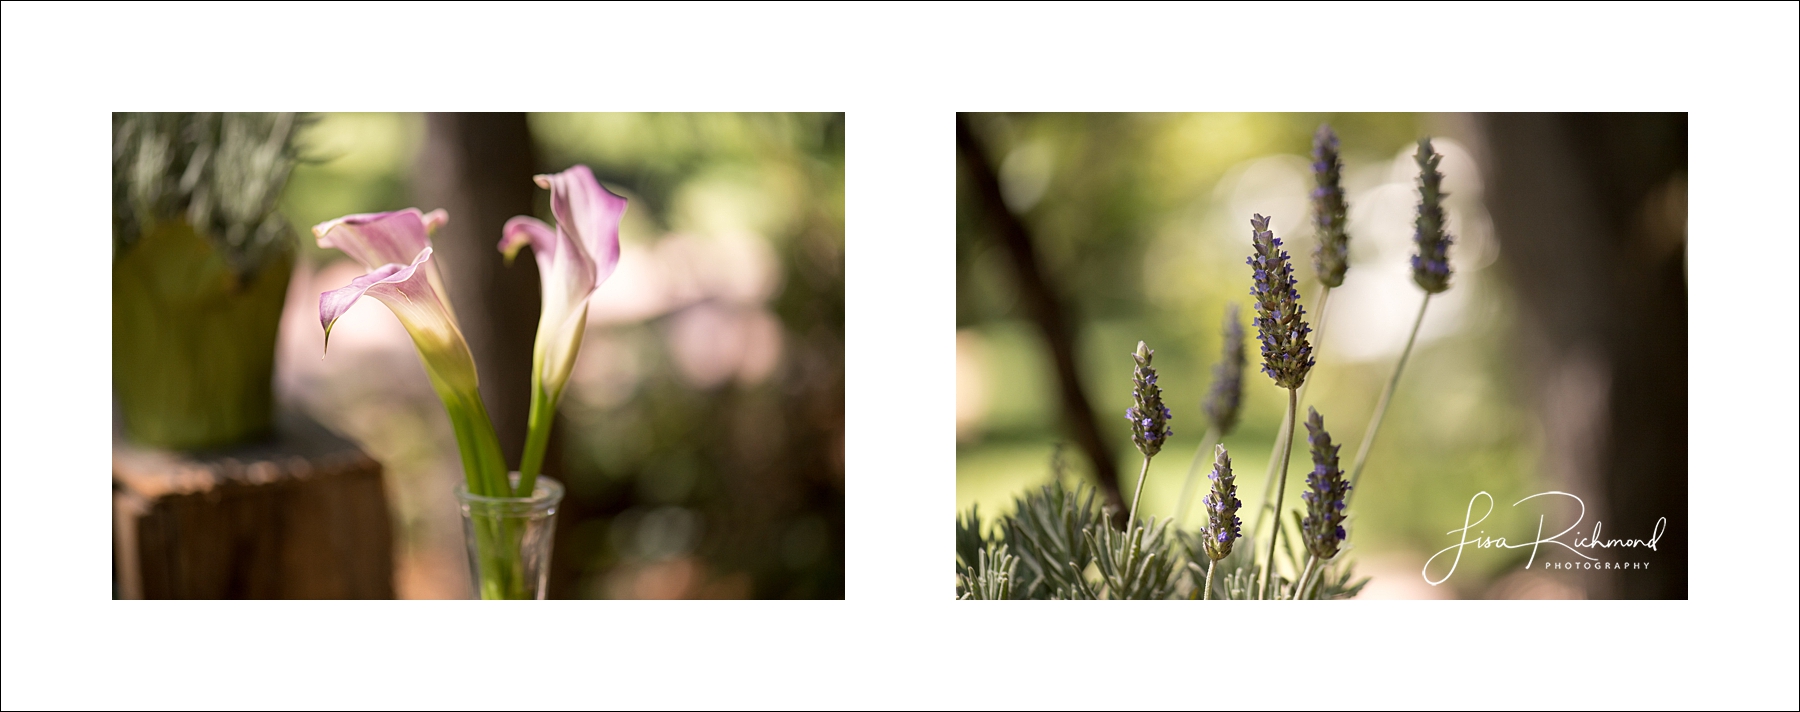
(509, 539)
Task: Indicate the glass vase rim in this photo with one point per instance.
(546, 492)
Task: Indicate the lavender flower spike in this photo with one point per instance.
(1431, 266)
(1323, 527)
(1149, 418)
(1227, 391)
(1286, 353)
(1222, 523)
(1331, 257)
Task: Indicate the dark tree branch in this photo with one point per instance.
(1044, 308)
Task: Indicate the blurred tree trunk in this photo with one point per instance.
(1591, 214)
(1044, 307)
(479, 168)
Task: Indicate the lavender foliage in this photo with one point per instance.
(1280, 323)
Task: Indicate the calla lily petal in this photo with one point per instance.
(334, 303)
(589, 213)
(377, 239)
(435, 219)
(572, 260)
(396, 248)
(523, 230)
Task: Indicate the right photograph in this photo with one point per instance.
(1311, 356)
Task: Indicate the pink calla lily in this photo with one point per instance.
(396, 248)
(573, 259)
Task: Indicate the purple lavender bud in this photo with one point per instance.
(1222, 523)
(1149, 418)
(1431, 266)
(1287, 356)
(1323, 526)
(1331, 257)
(1227, 391)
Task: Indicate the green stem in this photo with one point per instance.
(1280, 489)
(1281, 443)
(1210, 565)
(499, 549)
(484, 468)
(1131, 519)
(1187, 486)
(1300, 586)
(1368, 441)
(537, 439)
(1282, 446)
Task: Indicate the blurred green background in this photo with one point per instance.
(702, 433)
(1141, 223)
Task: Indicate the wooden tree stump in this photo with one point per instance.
(301, 516)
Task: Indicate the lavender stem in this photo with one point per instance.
(1187, 486)
(1280, 488)
(1269, 478)
(1368, 441)
(1131, 519)
(1300, 587)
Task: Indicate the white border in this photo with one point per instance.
(899, 71)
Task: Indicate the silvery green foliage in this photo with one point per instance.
(969, 541)
(1056, 523)
(1335, 582)
(221, 172)
(1046, 532)
(1234, 578)
(1137, 565)
(1239, 583)
(990, 578)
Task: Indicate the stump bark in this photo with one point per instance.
(303, 515)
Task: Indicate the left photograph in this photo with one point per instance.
(497, 356)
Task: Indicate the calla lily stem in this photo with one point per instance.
(537, 439)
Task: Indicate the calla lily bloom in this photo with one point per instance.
(396, 248)
(573, 259)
